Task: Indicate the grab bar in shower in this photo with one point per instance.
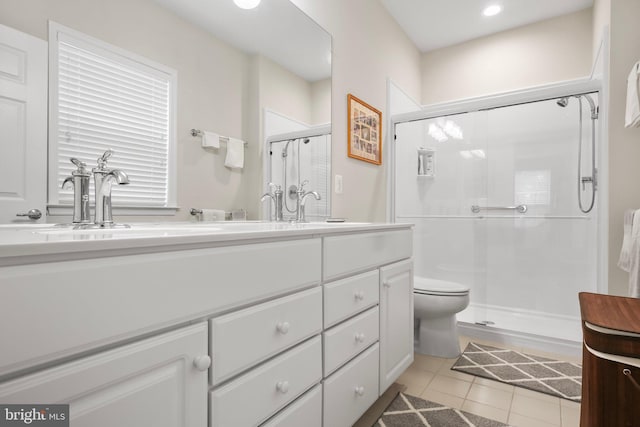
(519, 208)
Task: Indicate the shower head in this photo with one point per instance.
(563, 102)
(285, 150)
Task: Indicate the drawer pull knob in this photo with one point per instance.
(359, 391)
(627, 373)
(282, 386)
(283, 327)
(202, 363)
(360, 337)
(386, 284)
(359, 295)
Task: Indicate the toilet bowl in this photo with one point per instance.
(436, 303)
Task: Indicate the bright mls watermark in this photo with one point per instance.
(34, 415)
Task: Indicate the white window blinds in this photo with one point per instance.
(107, 99)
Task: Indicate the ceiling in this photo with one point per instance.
(433, 24)
(276, 29)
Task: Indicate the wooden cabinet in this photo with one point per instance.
(396, 321)
(610, 361)
(160, 382)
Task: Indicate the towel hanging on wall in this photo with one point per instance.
(624, 262)
(210, 140)
(632, 115)
(634, 257)
(235, 154)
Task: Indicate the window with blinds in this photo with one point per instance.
(103, 97)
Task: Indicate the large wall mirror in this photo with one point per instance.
(248, 74)
(293, 65)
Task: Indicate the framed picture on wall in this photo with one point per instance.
(365, 131)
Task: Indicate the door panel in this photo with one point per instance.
(23, 124)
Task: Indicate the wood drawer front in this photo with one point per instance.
(343, 342)
(177, 287)
(306, 411)
(246, 337)
(349, 392)
(359, 252)
(255, 396)
(349, 296)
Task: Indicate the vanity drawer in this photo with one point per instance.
(352, 390)
(349, 296)
(346, 340)
(263, 391)
(359, 252)
(305, 411)
(246, 337)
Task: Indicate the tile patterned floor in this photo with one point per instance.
(431, 378)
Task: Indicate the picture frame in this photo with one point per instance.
(364, 131)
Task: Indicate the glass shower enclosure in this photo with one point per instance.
(494, 196)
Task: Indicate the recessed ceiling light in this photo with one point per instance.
(492, 10)
(247, 4)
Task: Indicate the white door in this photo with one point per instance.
(396, 321)
(159, 382)
(23, 125)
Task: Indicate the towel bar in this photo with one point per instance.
(198, 132)
(519, 208)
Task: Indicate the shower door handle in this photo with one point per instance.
(519, 208)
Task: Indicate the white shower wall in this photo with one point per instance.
(527, 266)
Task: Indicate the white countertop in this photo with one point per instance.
(26, 244)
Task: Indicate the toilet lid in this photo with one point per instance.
(438, 287)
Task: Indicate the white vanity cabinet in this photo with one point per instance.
(285, 326)
(396, 321)
(159, 381)
(368, 337)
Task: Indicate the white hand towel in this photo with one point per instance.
(624, 262)
(210, 140)
(632, 115)
(212, 215)
(235, 154)
(634, 258)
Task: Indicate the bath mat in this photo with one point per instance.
(554, 377)
(410, 411)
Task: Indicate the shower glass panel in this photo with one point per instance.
(296, 161)
(524, 268)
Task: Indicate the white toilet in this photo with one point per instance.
(436, 303)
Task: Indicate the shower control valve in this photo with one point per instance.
(586, 179)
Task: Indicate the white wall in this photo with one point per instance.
(321, 102)
(545, 52)
(624, 144)
(368, 46)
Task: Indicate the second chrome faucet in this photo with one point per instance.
(277, 195)
(103, 177)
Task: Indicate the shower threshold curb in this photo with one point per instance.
(521, 339)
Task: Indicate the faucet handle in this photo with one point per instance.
(81, 171)
(305, 182)
(78, 163)
(102, 160)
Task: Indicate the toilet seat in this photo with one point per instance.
(439, 287)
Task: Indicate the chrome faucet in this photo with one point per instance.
(103, 178)
(277, 195)
(80, 179)
(301, 200)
